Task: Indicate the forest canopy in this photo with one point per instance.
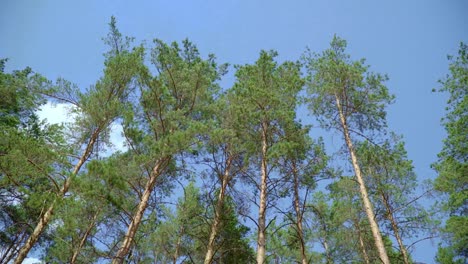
(213, 174)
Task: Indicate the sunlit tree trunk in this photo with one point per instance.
(47, 216)
(362, 245)
(395, 229)
(138, 215)
(261, 238)
(218, 211)
(85, 236)
(299, 215)
(362, 188)
(175, 256)
(327, 251)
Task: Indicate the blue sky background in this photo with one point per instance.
(408, 40)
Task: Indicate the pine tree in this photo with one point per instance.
(98, 108)
(265, 97)
(168, 118)
(390, 175)
(225, 157)
(346, 97)
(302, 163)
(28, 157)
(452, 164)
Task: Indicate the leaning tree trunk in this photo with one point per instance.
(261, 238)
(396, 230)
(47, 216)
(138, 215)
(362, 188)
(299, 215)
(218, 211)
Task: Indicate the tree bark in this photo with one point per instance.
(297, 207)
(9, 253)
(179, 241)
(327, 251)
(396, 230)
(76, 252)
(362, 245)
(47, 216)
(218, 211)
(138, 215)
(261, 238)
(362, 188)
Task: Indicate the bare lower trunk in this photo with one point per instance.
(261, 238)
(218, 211)
(76, 251)
(138, 215)
(396, 230)
(363, 190)
(297, 207)
(47, 216)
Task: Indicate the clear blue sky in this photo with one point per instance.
(408, 40)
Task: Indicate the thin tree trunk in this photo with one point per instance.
(218, 211)
(297, 207)
(138, 215)
(76, 252)
(9, 253)
(323, 225)
(179, 241)
(327, 251)
(261, 239)
(47, 216)
(362, 187)
(362, 245)
(396, 230)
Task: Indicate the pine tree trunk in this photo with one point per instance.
(396, 230)
(138, 215)
(76, 251)
(47, 216)
(261, 239)
(363, 190)
(297, 207)
(218, 211)
(177, 248)
(9, 252)
(327, 251)
(362, 245)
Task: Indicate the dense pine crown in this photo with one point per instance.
(363, 94)
(214, 174)
(452, 164)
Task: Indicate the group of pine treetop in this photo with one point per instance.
(215, 174)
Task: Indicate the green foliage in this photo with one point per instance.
(181, 235)
(452, 164)
(363, 95)
(231, 244)
(265, 94)
(18, 101)
(29, 161)
(174, 114)
(340, 221)
(392, 183)
(174, 105)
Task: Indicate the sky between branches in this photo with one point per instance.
(408, 40)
